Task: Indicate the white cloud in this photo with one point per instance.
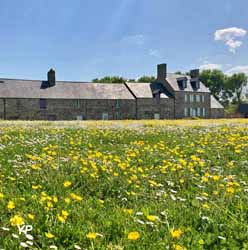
(230, 37)
(237, 69)
(210, 66)
(138, 40)
(154, 52)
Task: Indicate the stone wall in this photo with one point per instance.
(217, 113)
(180, 103)
(29, 109)
(146, 108)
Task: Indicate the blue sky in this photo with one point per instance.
(84, 39)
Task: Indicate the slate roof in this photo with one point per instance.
(215, 104)
(172, 80)
(243, 108)
(11, 88)
(146, 90)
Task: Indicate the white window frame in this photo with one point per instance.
(198, 112)
(193, 112)
(185, 112)
(191, 98)
(185, 98)
(156, 116)
(79, 117)
(105, 116)
(198, 98)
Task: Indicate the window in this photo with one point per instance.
(195, 84)
(203, 112)
(76, 104)
(202, 98)
(79, 117)
(117, 115)
(191, 98)
(182, 82)
(185, 112)
(198, 98)
(51, 117)
(192, 112)
(43, 104)
(157, 116)
(104, 116)
(117, 104)
(198, 112)
(186, 98)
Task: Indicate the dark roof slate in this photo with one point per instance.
(146, 90)
(11, 88)
(172, 80)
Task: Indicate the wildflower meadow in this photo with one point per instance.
(124, 185)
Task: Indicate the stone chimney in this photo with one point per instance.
(195, 73)
(51, 77)
(162, 71)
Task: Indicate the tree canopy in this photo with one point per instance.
(110, 79)
(225, 88)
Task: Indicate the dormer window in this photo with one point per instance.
(195, 84)
(182, 82)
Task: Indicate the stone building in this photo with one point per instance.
(170, 96)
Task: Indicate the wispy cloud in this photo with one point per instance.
(231, 37)
(137, 40)
(210, 66)
(238, 69)
(154, 52)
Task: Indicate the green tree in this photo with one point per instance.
(146, 79)
(110, 79)
(235, 85)
(215, 80)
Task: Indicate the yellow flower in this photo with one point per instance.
(176, 233)
(65, 213)
(201, 242)
(216, 177)
(129, 211)
(11, 205)
(133, 235)
(16, 220)
(61, 218)
(49, 235)
(151, 217)
(91, 236)
(67, 184)
(1, 195)
(178, 247)
(76, 197)
(67, 200)
(36, 187)
(31, 216)
(205, 206)
(230, 190)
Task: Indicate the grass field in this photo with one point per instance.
(124, 185)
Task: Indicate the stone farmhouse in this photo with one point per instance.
(170, 96)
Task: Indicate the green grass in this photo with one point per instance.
(147, 177)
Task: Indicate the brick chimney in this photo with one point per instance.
(51, 77)
(162, 71)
